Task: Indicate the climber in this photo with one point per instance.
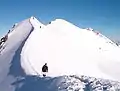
(13, 26)
(49, 22)
(0, 42)
(4, 39)
(117, 44)
(45, 69)
(8, 32)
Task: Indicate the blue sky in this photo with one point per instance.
(102, 15)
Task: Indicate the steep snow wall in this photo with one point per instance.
(70, 50)
(10, 68)
(25, 61)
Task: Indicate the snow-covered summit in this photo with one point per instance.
(68, 50)
(35, 23)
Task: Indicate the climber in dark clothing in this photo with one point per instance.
(4, 39)
(44, 69)
(0, 43)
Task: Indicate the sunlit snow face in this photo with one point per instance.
(68, 50)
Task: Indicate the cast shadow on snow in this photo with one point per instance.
(34, 83)
(25, 82)
(15, 68)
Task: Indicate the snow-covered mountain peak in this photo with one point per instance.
(35, 23)
(62, 22)
(62, 44)
(67, 49)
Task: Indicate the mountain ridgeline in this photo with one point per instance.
(78, 59)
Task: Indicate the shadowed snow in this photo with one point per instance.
(10, 67)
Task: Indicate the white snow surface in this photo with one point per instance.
(78, 59)
(69, 50)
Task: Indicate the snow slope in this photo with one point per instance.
(78, 53)
(10, 55)
(70, 50)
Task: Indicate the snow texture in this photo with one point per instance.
(78, 59)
